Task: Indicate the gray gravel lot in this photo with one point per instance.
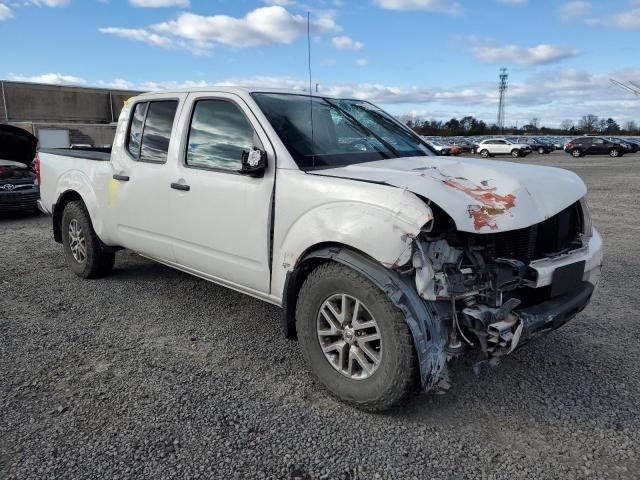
(151, 373)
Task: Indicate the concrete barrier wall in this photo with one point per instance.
(32, 102)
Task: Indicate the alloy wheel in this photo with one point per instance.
(77, 241)
(349, 336)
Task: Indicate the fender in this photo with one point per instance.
(78, 182)
(384, 232)
(425, 324)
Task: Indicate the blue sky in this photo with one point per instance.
(432, 58)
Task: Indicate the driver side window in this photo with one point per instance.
(219, 136)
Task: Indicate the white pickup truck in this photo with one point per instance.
(386, 259)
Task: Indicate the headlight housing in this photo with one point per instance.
(587, 224)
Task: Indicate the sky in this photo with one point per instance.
(434, 59)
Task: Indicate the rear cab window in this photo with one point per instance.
(150, 130)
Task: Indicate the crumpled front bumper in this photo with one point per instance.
(552, 314)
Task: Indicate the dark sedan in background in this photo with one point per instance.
(19, 189)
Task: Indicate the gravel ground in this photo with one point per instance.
(151, 373)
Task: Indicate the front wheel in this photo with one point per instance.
(83, 250)
(484, 153)
(614, 152)
(355, 340)
(577, 153)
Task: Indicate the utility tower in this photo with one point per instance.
(502, 91)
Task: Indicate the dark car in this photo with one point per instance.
(19, 189)
(633, 147)
(581, 146)
(536, 145)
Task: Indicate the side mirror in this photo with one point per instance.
(254, 162)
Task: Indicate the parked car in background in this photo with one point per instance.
(501, 146)
(381, 254)
(581, 146)
(536, 144)
(440, 148)
(18, 175)
(461, 147)
(630, 145)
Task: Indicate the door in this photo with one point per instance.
(501, 146)
(598, 146)
(139, 188)
(220, 218)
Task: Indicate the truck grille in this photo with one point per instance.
(551, 237)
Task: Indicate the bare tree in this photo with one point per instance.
(631, 127)
(566, 124)
(589, 123)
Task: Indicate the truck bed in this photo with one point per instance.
(98, 154)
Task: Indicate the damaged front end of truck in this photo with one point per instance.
(497, 291)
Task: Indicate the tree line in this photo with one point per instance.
(469, 125)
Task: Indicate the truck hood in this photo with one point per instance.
(17, 145)
(481, 196)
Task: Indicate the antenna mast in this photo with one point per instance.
(502, 91)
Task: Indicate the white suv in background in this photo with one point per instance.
(501, 146)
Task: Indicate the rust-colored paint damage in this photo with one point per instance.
(491, 205)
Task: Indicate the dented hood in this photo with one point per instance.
(482, 196)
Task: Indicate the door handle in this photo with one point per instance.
(180, 186)
(122, 178)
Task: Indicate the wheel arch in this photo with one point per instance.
(423, 319)
(58, 209)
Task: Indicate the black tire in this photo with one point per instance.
(396, 374)
(615, 152)
(98, 261)
(515, 153)
(484, 153)
(576, 153)
(542, 151)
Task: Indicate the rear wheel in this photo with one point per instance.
(515, 153)
(355, 340)
(83, 250)
(576, 152)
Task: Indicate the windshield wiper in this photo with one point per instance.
(354, 122)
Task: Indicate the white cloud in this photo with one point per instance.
(343, 42)
(362, 62)
(538, 55)
(160, 3)
(574, 10)
(627, 20)
(140, 35)
(282, 3)
(5, 12)
(262, 26)
(49, 3)
(444, 6)
(52, 78)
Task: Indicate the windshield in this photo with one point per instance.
(343, 132)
